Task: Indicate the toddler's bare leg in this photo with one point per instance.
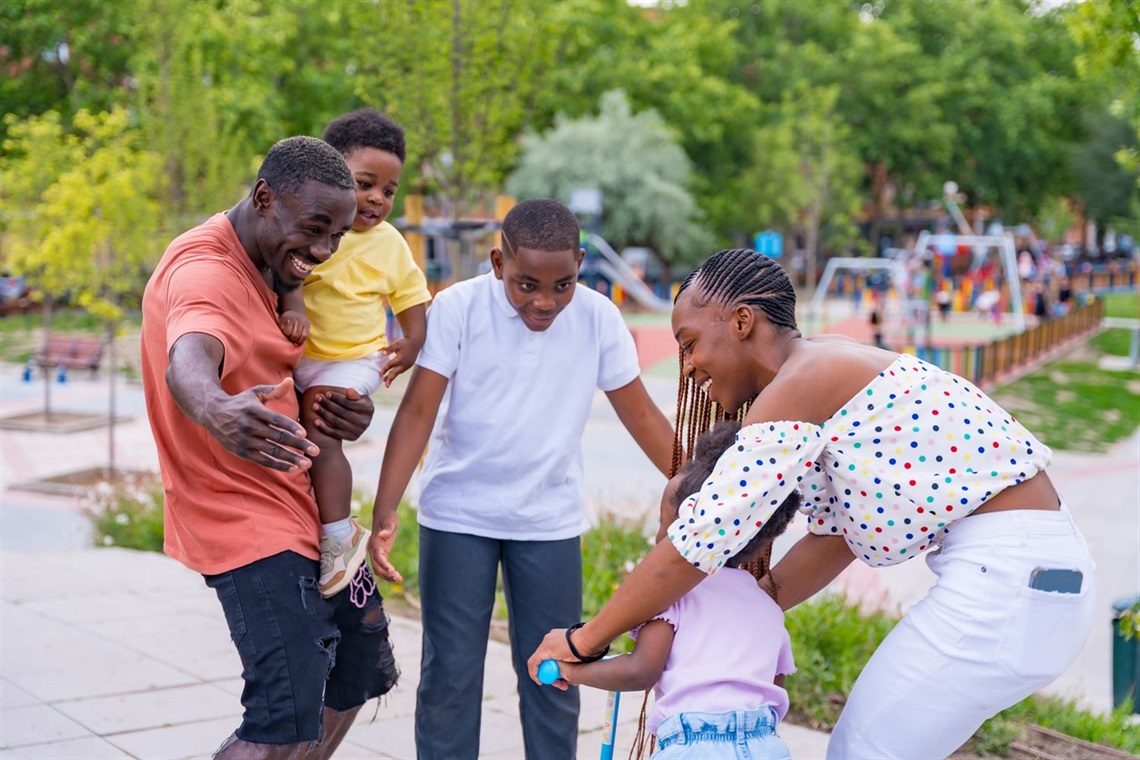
(331, 473)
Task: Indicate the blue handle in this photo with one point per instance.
(548, 672)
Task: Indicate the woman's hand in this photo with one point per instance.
(553, 647)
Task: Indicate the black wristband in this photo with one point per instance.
(574, 650)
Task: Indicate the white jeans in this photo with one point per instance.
(979, 642)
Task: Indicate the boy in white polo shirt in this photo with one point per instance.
(517, 354)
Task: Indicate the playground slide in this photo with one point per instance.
(613, 268)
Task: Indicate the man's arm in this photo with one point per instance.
(645, 423)
(636, 671)
(406, 443)
(241, 423)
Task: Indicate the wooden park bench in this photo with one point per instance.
(70, 352)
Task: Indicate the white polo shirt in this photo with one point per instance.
(505, 458)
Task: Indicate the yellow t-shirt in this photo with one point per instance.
(344, 297)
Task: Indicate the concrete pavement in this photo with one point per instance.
(113, 653)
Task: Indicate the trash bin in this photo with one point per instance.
(1125, 657)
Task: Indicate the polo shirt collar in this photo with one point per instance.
(499, 295)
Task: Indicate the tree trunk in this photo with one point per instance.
(111, 380)
(811, 243)
(47, 371)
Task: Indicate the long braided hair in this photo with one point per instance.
(733, 277)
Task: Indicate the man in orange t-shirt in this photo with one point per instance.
(217, 375)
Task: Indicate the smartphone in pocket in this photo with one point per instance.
(1057, 579)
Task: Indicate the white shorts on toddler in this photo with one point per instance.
(362, 374)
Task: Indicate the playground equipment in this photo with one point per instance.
(612, 267)
(892, 267)
(982, 244)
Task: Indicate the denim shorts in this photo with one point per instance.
(720, 736)
(299, 651)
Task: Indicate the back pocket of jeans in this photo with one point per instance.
(1047, 631)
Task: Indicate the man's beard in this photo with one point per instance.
(279, 285)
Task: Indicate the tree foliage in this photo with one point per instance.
(91, 215)
(804, 173)
(1008, 98)
(636, 162)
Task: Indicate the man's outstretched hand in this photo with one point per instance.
(248, 428)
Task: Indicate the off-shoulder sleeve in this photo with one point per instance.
(751, 479)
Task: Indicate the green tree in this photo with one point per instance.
(461, 78)
(92, 229)
(1109, 62)
(805, 173)
(65, 56)
(185, 97)
(679, 61)
(636, 162)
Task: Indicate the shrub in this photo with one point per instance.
(127, 513)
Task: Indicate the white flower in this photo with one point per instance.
(122, 518)
(107, 540)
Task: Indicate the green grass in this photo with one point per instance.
(1075, 405)
(1124, 305)
(1115, 341)
(831, 641)
(1113, 730)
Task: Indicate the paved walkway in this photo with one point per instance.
(114, 653)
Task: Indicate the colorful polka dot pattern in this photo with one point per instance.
(914, 451)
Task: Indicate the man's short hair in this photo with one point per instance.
(541, 224)
(292, 162)
(366, 128)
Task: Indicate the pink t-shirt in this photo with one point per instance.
(729, 645)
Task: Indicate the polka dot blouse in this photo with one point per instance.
(891, 471)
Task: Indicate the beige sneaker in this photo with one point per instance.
(340, 561)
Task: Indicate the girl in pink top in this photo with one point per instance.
(718, 656)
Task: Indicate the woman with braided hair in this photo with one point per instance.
(894, 457)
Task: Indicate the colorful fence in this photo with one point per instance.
(986, 363)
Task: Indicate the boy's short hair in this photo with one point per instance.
(292, 162)
(541, 224)
(693, 474)
(366, 128)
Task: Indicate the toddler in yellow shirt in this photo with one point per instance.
(340, 315)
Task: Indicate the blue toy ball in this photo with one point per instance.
(548, 672)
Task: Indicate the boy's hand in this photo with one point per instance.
(402, 355)
(380, 546)
(294, 325)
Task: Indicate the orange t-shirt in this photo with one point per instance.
(222, 511)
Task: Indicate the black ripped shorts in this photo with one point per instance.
(299, 651)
